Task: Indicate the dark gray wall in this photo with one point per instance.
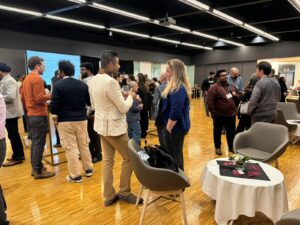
(16, 40)
(244, 58)
(246, 70)
(248, 53)
(15, 59)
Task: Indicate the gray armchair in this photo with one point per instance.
(296, 101)
(159, 181)
(290, 218)
(280, 119)
(289, 110)
(264, 142)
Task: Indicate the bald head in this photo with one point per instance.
(234, 72)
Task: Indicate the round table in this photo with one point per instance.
(240, 196)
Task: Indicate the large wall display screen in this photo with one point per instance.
(51, 62)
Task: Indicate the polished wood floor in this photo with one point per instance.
(55, 201)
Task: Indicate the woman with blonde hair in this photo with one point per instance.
(175, 108)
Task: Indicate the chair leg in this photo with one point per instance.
(139, 195)
(276, 164)
(183, 208)
(144, 207)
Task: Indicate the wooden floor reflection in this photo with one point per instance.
(55, 201)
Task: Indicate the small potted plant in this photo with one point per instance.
(240, 160)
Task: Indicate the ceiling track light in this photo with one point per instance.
(227, 17)
(156, 22)
(78, 1)
(196, 46)
(118, 11)
(296, 4)
(196, 4)
(28, 12)
(165, 40)
(233, 20)
(23, 11)
(130, 33)
(230, 42)
(75, 22)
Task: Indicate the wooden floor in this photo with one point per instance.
(55, 201)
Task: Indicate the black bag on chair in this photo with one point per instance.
(160, 159)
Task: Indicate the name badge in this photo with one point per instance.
(229, 95)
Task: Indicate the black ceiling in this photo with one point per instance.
(277, 17)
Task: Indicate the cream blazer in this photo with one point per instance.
(109, 104)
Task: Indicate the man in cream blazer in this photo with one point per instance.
(110, 122)
(10, 91)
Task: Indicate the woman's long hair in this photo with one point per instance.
(142, 83)
(179, 77)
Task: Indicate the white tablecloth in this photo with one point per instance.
(240, 196)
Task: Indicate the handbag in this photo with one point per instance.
(243, 108)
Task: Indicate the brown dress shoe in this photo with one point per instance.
(11, 163)
(218, 151)
(32, 172)
(112, 201)
(43, 174)
(131, 198)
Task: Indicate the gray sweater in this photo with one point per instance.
(133, 115)
(264, 98)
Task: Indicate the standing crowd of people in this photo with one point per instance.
(225, 97)
(94, 117)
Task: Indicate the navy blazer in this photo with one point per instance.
(177, 108)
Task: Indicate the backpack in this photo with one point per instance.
(160, 159)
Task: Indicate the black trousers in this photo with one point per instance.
(14, 137)
(174, 146)
(229, 124)
(57, 136)
(244, 123)
(144, 122)
(95, 143)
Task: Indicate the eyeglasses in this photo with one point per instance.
(223, 75)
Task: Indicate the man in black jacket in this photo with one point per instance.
(68, 102)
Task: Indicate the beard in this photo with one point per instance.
(84, 75)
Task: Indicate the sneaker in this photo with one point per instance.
(218, 151)
(131, 198)
(89, 172)
(43, 174)
(112, 201)
(74, 180)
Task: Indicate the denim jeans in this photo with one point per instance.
(134, 131)
(39, 128)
